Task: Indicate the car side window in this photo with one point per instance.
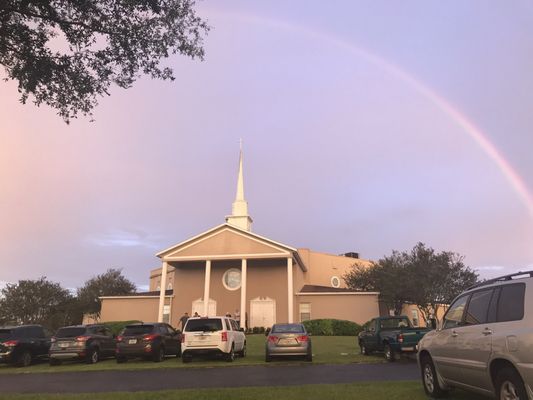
(107, 332)
(228, 326)
(511, 302)
(234, 325)
(478, 307)
(454, 316)
(163, 329)
(170, 330)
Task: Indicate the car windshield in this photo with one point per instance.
(288, 328)
(70, 332)
(204, 325)
(394, 323)
(132, 330)
(5, 334)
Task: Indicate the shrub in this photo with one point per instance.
(332, 327)
(117, 326)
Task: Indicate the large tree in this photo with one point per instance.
(110, 283)
(36, 302)
(67, 53)
(421, 276)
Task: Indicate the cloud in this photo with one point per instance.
(491, 268)
(123, 238)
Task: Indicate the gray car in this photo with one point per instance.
(287, 340)
(485, 342)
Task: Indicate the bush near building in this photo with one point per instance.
(332, 327)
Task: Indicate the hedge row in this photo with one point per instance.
(332, 327)
(117, 326)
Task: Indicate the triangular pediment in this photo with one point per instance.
(226, 241)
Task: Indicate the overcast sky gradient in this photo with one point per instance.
(341, 153)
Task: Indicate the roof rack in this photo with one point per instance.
(501, 279)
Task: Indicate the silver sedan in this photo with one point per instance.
(286, 340)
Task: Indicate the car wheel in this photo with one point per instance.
(159, 354)
(309, 356)
(53, 362)
(24, 360)
(121, 360)
(430, 379)
(268, 357)
(509, 385)
(389, 353)
(93, 356)
(242, 353)
(230, 357)
(186, 359)
(364, 349)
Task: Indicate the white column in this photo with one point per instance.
(289, 289)
(162, 290)
(207, 284)
(242, 311)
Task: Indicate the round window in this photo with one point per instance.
(335, 281)
(232, 279)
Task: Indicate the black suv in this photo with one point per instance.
(87, 343)
(152, 341)
(20, 345)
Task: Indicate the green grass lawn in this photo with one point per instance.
(374, 391)
(326, 350)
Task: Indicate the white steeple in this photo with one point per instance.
(239, 210)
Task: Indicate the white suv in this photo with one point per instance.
(205, 336)
(485, 342)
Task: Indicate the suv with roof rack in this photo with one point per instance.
(484, 342)
(218, 336)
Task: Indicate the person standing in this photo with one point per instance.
(183, 320)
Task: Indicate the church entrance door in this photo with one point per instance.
(262, 312)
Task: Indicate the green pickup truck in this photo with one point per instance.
(390, 335)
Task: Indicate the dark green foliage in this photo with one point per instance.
(110, 283)
(37, 302)
(67, 53)
(421, 277)
(117, 326)
(332, 327)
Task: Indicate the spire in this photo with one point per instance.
(239, 210)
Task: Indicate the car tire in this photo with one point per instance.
(54, 362)
(159, 354)
(309, 356)
(389, 353)
(93, 356)
(364, 349)
(121, 360)
(242, 353)
(186, 359)
(268, 357)
(509, 385)
(230, 357)
(24, 359)
(430, 381)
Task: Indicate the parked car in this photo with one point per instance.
(88, 343)
(485, 342)
(287, 340)
(21, 345)
(390, 335)
(151, 341)
(212, 336)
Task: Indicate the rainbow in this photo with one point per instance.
(511, 176)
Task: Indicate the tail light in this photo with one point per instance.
(150, 337)
(273, 339)
(82, 338)
(303, 338)
(120, 338)
(183, 338)
(11, 343)
(400, 338)
(224, 336)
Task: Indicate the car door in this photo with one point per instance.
(473, 343)
(443, 343)
(369, 336)
(107, 341)
(171, 342)
(238, 335)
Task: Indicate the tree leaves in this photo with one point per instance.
(67, 54)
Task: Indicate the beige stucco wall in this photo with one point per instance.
(358, 307)
(132, 308)
(407, 309)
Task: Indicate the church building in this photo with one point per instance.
(231, 269)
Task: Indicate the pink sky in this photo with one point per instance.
(340, 153)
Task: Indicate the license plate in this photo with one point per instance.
(63, 345)
(408, 349)
(132, 341)
(286, 341)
